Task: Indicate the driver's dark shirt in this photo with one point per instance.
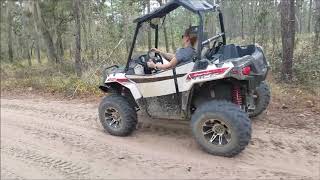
(185, 54)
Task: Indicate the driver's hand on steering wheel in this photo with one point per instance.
(151, 64)
(155, 50)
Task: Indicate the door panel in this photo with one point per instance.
(159, 93)
(165, 107)
(154, 85)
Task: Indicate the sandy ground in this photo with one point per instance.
(60, 139)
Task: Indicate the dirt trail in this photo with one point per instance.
(49, 139)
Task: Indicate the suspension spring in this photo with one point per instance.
(236, 95)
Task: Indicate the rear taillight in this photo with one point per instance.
(246, 70)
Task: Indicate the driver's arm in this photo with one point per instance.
(167, 56)
(169, 65)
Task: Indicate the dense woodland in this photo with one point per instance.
(77, 37)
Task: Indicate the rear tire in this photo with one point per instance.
(221, 120)
(262, 100)
(117, 116)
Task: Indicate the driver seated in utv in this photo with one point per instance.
(182, 55)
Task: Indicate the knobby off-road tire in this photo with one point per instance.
(262, 100)
(117, 116)
(218, 115)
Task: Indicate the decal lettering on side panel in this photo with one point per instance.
(206, 74)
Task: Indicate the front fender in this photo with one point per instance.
(109, 87)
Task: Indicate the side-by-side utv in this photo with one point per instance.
(217, 90)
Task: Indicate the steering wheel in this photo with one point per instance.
(155, 57)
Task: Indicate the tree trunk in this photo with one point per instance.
(36, 35)
(70, 51)
(211, 23)
(298, 16)
(91, 44)
(274, 26)
(31, 49)
(173, 45)
(242, 23)
(263, 29)
(165, 31)
(85, 33)
(77, 38)
(59, 45)
(310, 16)
(98, 54)
(317, 21)
(288, 37)
(254, 24)
(51, 52)
(24, 36)
(274, 34)
(301, 16)
(126, 30)
(149, 29)
(37, 49)
(112, 11)
(83, 23)
(28, 56)
(166, 37)
(10, 50)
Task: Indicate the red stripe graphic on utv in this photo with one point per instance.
(207, 72)
(119, 80)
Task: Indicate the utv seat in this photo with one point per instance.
(229, 51)
(246, 50)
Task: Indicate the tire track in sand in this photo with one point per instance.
(68, 168)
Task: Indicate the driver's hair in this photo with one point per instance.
(192, 36)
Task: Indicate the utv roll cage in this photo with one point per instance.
(195, 6)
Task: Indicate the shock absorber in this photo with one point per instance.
(236, 95)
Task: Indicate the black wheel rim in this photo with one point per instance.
(113, 118)
(216, 132)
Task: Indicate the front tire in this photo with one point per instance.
(221, 128)
(117, 116)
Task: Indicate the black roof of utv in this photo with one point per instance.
(192, 5)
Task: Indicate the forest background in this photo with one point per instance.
(61, 46)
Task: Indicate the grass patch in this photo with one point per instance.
(48, 78)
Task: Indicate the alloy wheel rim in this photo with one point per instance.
(216, 132)
(113, 118)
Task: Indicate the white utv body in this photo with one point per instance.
(217, 90)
